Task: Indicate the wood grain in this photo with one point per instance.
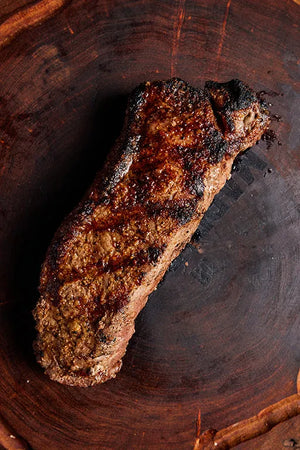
(221, 333)
(9, 438)
(27, 18)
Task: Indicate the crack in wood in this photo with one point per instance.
(180, 20)
(223, 32)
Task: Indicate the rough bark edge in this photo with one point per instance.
(250, 428)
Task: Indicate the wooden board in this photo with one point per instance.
(221, 333)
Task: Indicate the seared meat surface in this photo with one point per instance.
(174, 154)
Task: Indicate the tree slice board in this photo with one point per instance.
(221, 332)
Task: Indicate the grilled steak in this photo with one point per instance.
(174, 154)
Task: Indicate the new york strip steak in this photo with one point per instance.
(173, 156)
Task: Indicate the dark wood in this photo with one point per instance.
(221, 332)
(9, 438)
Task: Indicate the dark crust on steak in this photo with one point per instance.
(174, 154)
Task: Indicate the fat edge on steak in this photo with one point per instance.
(173, 156)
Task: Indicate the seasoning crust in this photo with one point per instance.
(173, 156)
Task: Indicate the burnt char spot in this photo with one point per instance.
(88, 207)
(269, 137)
(154, 253)
(235, 94)
(103, 200)
(136, 101)
(216, 145)
(225, 98)
(183, 212)
(264, 106)
(120, 170)
(102, 338)
(118, 301)
(196, 185)
(155, 209)
(143, 257)
(149, 256)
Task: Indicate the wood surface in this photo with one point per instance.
(221, 333)
(249, 428)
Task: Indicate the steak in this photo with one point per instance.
(173, 156)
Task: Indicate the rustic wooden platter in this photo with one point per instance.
(221, 333)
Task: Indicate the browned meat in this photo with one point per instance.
(174, 154)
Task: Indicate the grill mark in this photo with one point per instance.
(141, 258)
(151, 209)
(95, 309)
(181, 210)
(115, 303)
